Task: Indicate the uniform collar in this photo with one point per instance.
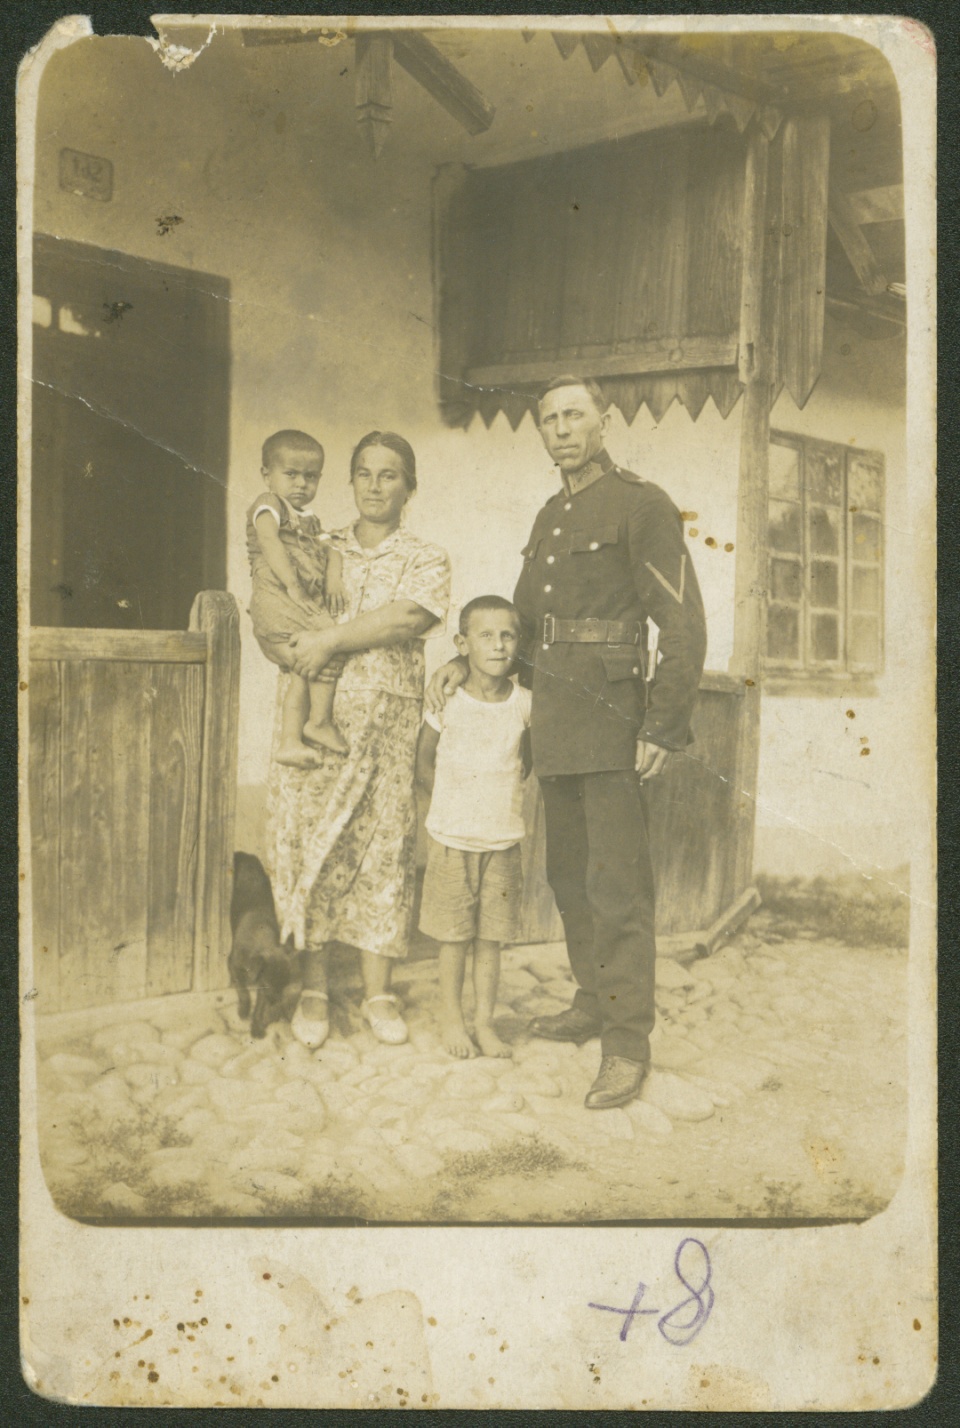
(590, 473)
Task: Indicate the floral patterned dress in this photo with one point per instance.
(342, 837)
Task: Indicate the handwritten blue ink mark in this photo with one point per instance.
(675, 1326)
(628, 1314)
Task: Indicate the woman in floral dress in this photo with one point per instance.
(343, 835)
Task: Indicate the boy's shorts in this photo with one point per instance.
(468, 895)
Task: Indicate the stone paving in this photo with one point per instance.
(778, 1090)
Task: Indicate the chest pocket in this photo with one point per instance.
(593, 539)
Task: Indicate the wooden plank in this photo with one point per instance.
(372, 89)
(104, 836)
(652, 269)
(45, 713)
(728, 922)
(591, 235)
(714, 221)
(454, 283)
(215, 613)
(854, 242)
(442, 80)
(877, 205)
(660, 355)
(176, 726)
(754, 222)
(534, 213)
(147, 646)
(690, 812)
(806, 162)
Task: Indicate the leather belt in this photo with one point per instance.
(590, 632)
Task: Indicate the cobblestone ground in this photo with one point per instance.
(778, 1090)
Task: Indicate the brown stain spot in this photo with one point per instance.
(203, 1322)
(141, 1363)
(228, 1326)
(704, 1383)
(274, 1378)
(117, 1354)
(23, 684)
(694, 531)
(268, 1276)
(863, 753)
(432, 1322)
(688, 515)
(504, 1346)
(851, 714)
(153, 1376)
(750, 683)
(917, 1324)
(709, 540)
(729, 546)
(25, 1299)
(369, 1343)
(875, 1359)
(180, 1327)
(471, 1357)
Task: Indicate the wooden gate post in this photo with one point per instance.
(756, 356)
(215, 614)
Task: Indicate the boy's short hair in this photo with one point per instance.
(570, 379)
(289, 441)
(485, 602)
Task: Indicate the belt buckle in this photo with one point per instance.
(549, 629)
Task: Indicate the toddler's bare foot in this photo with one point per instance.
(327, 735)
(297, 756)
(455, 1039)
(489, 1042)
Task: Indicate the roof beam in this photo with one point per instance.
(844, 223)
(877, 205)
(442, 80)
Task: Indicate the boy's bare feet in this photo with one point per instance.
(489, 1042)
(456, 1040)
(297, 756)
(327, 735)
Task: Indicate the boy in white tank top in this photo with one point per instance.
(470, 760)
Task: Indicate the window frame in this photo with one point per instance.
(807, 669)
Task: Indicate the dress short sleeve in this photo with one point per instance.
(267, 501)
(426, 581)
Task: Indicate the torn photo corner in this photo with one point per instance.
(478, 934)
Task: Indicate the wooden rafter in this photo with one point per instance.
(877, 205)
(442, 80)
(843, 221)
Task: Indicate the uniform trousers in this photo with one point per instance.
(598, 865)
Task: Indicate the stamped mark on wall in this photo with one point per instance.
(86, 174)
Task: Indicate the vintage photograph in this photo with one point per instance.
(468, 653)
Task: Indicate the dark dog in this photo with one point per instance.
(257, 957)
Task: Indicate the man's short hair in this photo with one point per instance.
(570, 379)
(289, 441)
(485, 602)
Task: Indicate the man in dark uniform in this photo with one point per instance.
(605, 554)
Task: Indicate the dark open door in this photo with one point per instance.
(130, 438)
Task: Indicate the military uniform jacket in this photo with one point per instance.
(613, 551)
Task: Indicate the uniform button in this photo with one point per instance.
(551, 559)
(546, 647)
(547, 589)
(636, 669)
(556, 530)
(568, 507)
(594, 545)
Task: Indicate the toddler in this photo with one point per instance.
(470, 759)
(297, 586)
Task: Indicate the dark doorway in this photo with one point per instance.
(131, 367)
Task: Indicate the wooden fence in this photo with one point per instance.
(133, 753)
(695, 808)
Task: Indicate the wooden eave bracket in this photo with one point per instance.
(432, 71)
(843, 221)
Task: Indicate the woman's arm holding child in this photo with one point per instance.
(274, 553)
(391, 624)
(336, 596)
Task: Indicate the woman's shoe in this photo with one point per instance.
(390, 1030)
(311, 1031)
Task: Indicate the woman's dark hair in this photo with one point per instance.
(397, 444)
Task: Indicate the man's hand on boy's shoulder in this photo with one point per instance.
(444, 683)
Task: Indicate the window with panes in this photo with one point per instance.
(825, 545)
